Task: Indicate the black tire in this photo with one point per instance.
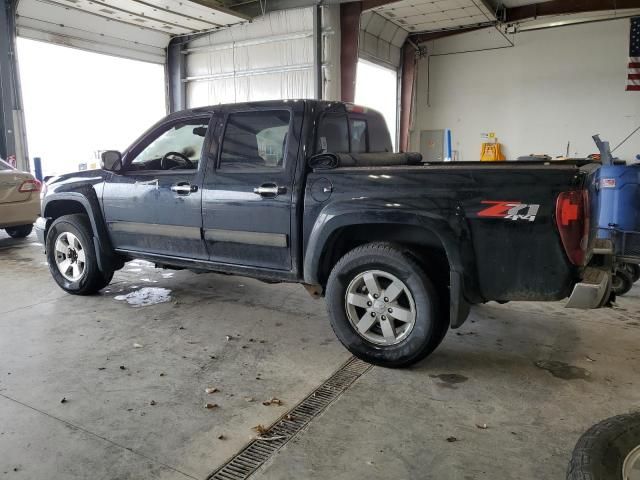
(621, 282)
(20, 231)
(430, 325)
(92, 279)
(634, 271)
(601, 451)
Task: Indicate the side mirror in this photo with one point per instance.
(111, 161)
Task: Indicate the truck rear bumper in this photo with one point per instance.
(592, 292)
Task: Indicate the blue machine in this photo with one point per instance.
(615, 197)
(618, 204)
(619, 199)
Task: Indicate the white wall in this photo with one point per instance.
(555, 86)
(269, 58)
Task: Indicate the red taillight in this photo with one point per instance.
(572, 218)
(30, 186)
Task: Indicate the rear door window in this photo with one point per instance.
(255, 140)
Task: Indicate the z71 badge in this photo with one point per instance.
(510, 210)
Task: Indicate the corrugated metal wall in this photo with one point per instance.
(270, 58)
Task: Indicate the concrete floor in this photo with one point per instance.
(148, 419)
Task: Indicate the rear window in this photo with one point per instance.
(333, 134)
(5, 166)
(354, 133)
(358, 129)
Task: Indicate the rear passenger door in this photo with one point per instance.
(248, 194)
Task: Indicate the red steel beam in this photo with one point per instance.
(369, 4)
(407, 82)
(349, 35)
(559, 7)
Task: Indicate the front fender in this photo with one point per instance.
(86, 197)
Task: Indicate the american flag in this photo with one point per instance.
(633, 77)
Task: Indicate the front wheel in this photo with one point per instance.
(72, 257)
(20, 231)
(383, 307)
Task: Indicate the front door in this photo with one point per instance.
(154, 205)
(247, 199)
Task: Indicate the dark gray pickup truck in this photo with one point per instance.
(310, 192)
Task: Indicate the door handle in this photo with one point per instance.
(153, 182)
(269, 190)
(184, 188)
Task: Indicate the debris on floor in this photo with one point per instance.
(152, 402)
(210, 390)
(146, 296)
(261, 429)
(64, 400)
(270, 439)
(273, 401)
(452, 439)
(209, 406)
(482, 426)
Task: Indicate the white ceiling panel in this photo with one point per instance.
(139, 29)
(434, 15)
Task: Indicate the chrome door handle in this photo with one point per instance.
(270, 190)
(184, 188)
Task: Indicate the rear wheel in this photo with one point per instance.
(610, 450)
(20, 231)
(383, 307)
(72, 257)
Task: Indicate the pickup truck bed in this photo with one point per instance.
(400, 251)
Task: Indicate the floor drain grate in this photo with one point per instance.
(260, 450)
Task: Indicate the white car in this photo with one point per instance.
(19, 200)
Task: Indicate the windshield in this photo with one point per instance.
(4, 165)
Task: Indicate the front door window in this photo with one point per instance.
(178, 147)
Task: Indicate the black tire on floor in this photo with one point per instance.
(621, 282)
(92, 279)
(20, 231)
(634, 271)
(601, 451)
(430, 325)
